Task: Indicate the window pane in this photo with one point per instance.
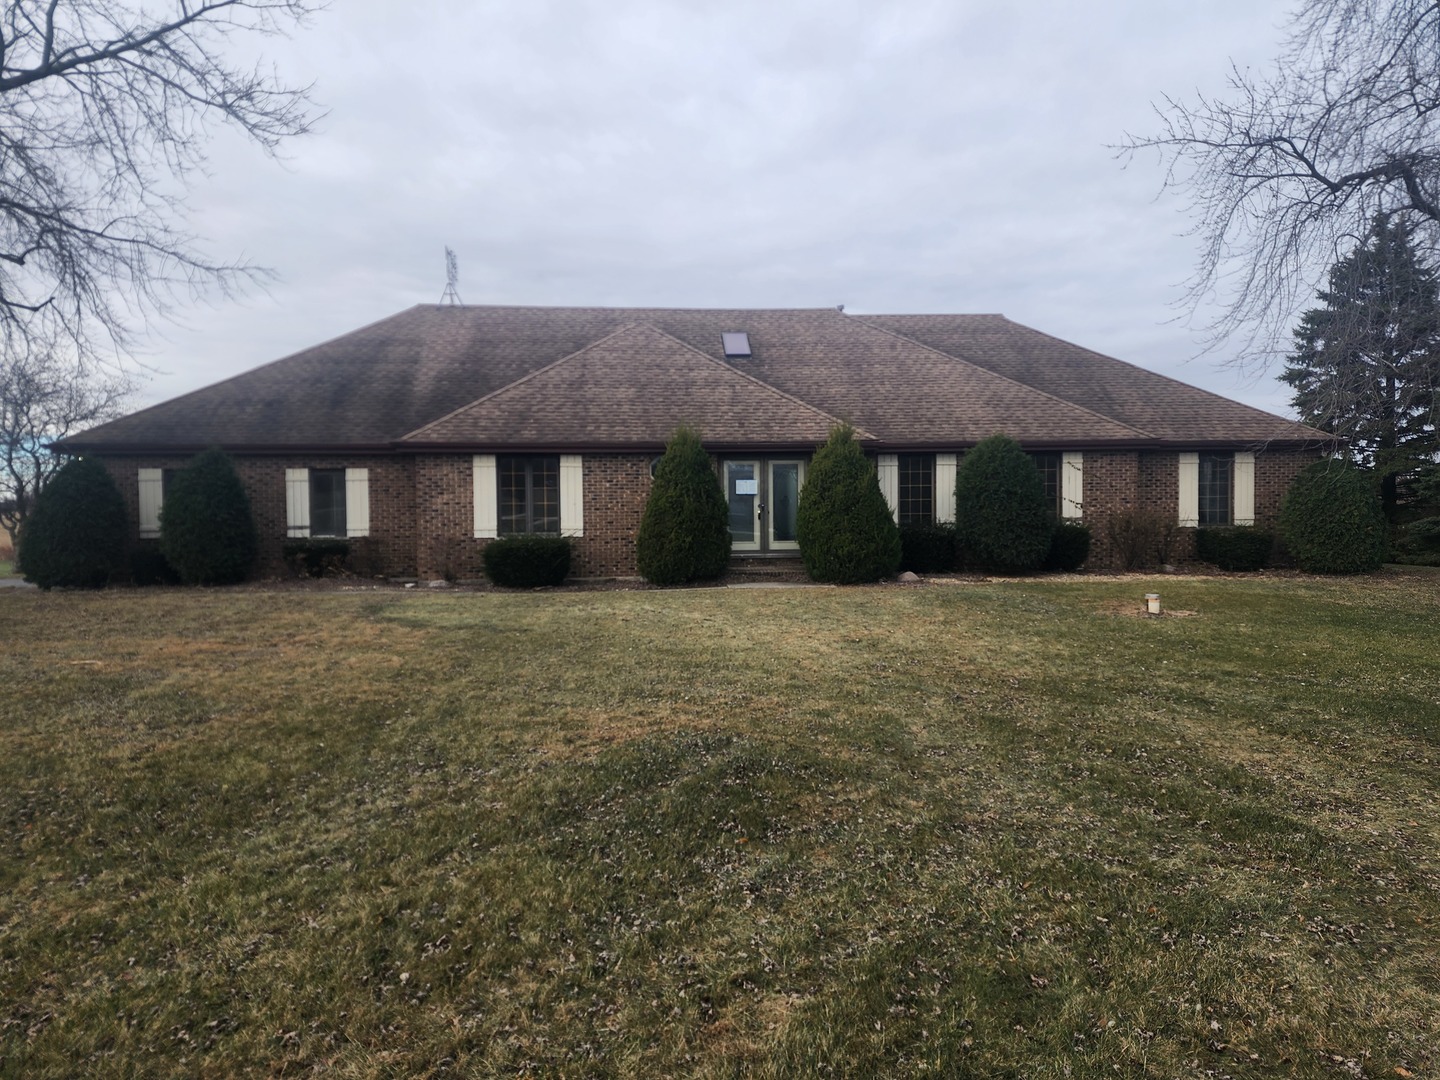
(545, 495)
(528, 491)
(1216, 473)
(327, 502)
(917, 489)
(1049, 466)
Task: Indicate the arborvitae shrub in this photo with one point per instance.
(846, 531)
(75, 534)
(1241, 547)
(685, 531)
(527, 562)
(1002, 518)
(316, 556)
(1069, 546)
(927, 549)
(1332, 522)
(206, 531)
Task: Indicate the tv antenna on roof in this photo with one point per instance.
(451, 295)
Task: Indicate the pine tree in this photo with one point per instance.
(685, 533)
(1366, 364)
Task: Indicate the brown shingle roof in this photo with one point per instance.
(920, 381)
(1171, 410)
(633, 387)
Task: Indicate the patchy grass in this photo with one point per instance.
(995, 830)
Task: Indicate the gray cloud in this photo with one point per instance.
(908, 156)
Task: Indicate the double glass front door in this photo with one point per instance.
(764, 496)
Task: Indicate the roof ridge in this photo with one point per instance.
(617, 332)
(1007, 378)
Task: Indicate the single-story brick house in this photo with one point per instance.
(434, 430)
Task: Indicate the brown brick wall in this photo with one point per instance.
(393, 522)
(616, 487)
(1111, 480)
(1275, 470)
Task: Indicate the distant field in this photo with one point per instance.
(1002, 829)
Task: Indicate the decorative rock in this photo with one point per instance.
(909, 577)
(439, 583)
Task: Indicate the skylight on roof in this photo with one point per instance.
(736, 344)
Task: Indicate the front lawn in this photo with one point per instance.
(1003, 829)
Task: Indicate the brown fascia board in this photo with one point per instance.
(712, 447)
(70, 446)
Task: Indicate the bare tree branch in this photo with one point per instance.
(44, 398)
(105, 108)
(1286, 172)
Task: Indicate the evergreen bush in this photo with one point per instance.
(1002, 518)
(527, 562)
(148, 565)
(1332, 522)
(685, 531)
(846, 531)
(1240, 547)
(206, 530)
(1418, 542)
(75, 534)
(927, 548)
(1069, 546)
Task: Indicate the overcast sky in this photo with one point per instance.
(896, 156)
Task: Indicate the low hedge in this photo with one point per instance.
(1069, 546)
(527, 562)
(1239, 547)
(317, 556)
(927, 549)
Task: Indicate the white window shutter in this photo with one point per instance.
(297, 502)
(152, 495)
(1189, 490)
(887, 467)
(1072, 485)
(357, 502)
(572, 495)
(1245, 488)
(945, 465)
(487, 496)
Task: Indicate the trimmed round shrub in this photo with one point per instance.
(1241, 547)
(846, 531)
(1002, 518)
(1331, 520)
(1069, 546)
(685, 531)
(927, 549)
(527, 562)
(75, 535)
(206, 530)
